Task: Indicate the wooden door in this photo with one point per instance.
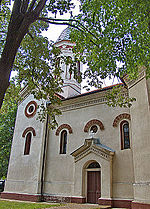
(93, 186)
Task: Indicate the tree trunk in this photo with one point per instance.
(15, 35)
(18, 27)
(4, 80)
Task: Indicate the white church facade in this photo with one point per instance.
(97, 154)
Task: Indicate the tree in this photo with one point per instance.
(25, 19)
(7, 124)
(108, 32)
(114, 38)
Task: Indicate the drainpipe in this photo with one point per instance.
(44, 157)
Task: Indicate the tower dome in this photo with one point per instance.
(65, 35)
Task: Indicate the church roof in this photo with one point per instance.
(65, 35)
(95, 91)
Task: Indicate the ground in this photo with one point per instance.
(14, 204)
(79, 206)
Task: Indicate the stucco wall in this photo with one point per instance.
(59, 175)
(24, 170)
(140, 134)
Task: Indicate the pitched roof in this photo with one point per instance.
(95, 91)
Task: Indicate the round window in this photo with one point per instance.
(30, 109)
(94, 129)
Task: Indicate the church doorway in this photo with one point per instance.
(93, 182)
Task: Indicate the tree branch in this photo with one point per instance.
(39, 7)
(16, 7)
(24, 6)
(71, 20)
(31, 5)
(65, 23)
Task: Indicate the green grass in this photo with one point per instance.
(24, 205)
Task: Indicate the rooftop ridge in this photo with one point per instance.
(96, 91)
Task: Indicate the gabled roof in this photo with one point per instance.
(93, 145)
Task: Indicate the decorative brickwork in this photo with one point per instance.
(138, 205)
(115, 203)
(93, 122)
(122, 204)
(63, 126)
(121, 117)
(27, 130)
(61, 199)
(24, 197)
(34, 106)
(107, 202)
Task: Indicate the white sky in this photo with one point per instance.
(55, 30)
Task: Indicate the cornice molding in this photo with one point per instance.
(83, 104)
(98, 99)
(94, 150)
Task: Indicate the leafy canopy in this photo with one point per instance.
(114, 37)
(106, 33)
(37, 61)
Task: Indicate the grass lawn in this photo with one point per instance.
(24, 205)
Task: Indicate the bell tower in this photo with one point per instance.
(71, 87)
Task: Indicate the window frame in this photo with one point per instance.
(123, 146)
(63, 142)
(27, 146)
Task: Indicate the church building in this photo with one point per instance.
(97, 154)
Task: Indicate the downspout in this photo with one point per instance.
(44, 156)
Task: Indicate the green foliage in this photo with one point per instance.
(37, 62)
(24, 205)
(38, 65)
(119, 97)
(7, 124)
(106, 33)
(113, 32)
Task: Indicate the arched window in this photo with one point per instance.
(27, 144)
(63, 142)
(94, 165)
(125, 137)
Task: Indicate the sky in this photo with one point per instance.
(55, 30)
